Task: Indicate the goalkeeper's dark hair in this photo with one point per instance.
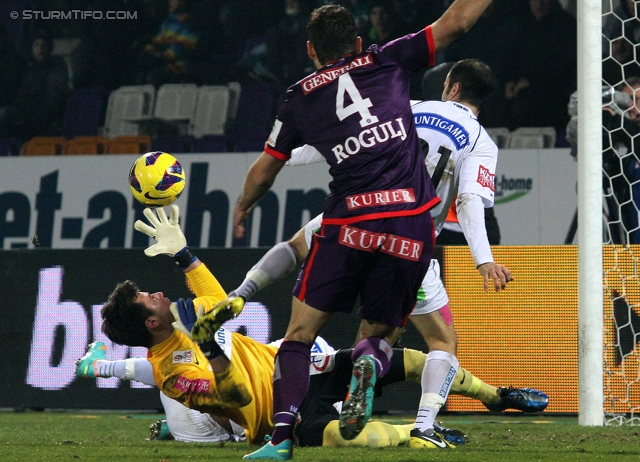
(476, 79)
(123, 319)
(333, 32)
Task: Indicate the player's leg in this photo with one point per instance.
(189, 425)
(433, 320)
(318, 424)
(291, 378)
(374, 435)
(279, 261)
(291, 382)
(403, 252)
(94, 364)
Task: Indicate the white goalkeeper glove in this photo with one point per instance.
(166, 231)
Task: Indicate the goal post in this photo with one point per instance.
(590, 276)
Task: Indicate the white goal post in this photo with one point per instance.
(590, 276)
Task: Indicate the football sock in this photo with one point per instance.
(279, 261)
(437, 377)
(138, 369)
(374, 435)
(377, 348)
(467, 384)
(290, 385)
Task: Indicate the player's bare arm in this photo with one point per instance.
(457, 20)
(258, 181)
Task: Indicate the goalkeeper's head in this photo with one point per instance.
(135, 318)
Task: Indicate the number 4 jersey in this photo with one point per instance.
(356, 112)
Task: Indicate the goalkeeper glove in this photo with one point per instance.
(206, 326)
(169, 237)
(185, 317)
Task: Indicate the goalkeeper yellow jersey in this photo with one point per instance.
(242, 393)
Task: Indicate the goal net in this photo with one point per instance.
(621, 198)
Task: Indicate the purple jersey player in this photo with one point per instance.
(376, 238)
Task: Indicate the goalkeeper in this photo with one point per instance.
(228, 376)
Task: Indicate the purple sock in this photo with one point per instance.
(290, 385)
(379, 349)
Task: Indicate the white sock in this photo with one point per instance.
(138, 369)
(437, 377)
(279, 261)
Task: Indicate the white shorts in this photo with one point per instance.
(191, 426)
(431, 296)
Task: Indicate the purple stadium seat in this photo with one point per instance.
(256, 113)
(85, 111)
(210, 143)
(173, 144)
(10, 146)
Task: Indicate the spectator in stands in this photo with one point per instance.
(38, 108)
(620, 155)
(106, 54)
(12, 69)
(543, 74)
(620, 158)
(620, 35)
(491, 41)
(383, 26)
(360, 11)
(169, 57)
(286, 44)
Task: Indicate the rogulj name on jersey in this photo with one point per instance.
(381, 133)
(453, 130)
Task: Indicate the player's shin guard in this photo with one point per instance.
(290, 385)
(437, 377)
(466, 384)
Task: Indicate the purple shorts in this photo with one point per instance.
(381, 261)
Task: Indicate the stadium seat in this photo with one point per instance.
(10, 146)
(174, 107)
(85, 112)
(86, 145)
(211, 111)
(173, 144)
(532, 138)
(139, 144)
(235, 90)
(499, 135)
(257, 108)
(43, 146)
(126, 103)
(210, 143)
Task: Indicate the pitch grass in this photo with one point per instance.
(104, 437)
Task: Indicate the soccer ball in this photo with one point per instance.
(156, 179)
